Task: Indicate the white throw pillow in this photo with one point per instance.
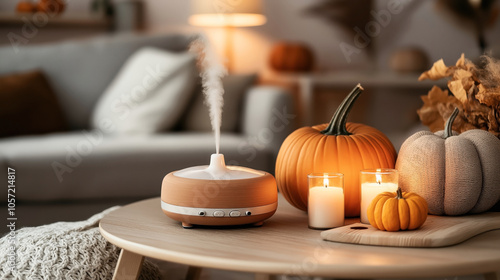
(149, 93)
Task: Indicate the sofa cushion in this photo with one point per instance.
(80, 70)
(148, 95)
(235, 86)
(28, 105)
(88, 165)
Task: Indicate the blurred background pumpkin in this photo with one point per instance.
(291, 57)
(25, 6)
(51, 6)
(409, 59)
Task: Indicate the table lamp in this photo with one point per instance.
(227, 14)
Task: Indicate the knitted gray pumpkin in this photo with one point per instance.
(456, 174)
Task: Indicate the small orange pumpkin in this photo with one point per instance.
(291, 57)
(397, 211)
(337, 147)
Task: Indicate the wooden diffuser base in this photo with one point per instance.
(219, 202)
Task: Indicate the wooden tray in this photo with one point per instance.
(437, 231)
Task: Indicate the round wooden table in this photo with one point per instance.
(283, 245)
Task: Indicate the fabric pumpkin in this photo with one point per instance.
(397, 211)
(456, 174)
(337, 147)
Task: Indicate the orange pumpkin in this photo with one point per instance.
(337, 147)
(397, 211)
(291, 57)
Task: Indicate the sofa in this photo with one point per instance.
(79, 166)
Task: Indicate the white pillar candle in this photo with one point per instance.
(326, 206)
(374, 182)
(369, 191)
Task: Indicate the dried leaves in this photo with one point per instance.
(475, 91)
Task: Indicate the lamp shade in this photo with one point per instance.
(226, 13)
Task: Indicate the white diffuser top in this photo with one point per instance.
(217, 170)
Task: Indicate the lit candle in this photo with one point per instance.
(326, 200)
(374, 182)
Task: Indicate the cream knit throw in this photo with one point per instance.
(65, 250)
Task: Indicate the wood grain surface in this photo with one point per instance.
(285, 245)
(198, 193)
(437, 231)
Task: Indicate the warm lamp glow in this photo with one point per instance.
(236, 20)
(220, 13)
(227, 14)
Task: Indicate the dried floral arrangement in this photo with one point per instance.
(475, 91)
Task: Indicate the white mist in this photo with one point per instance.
(211, 73)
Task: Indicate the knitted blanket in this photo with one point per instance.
(63, 250)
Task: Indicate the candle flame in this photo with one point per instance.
(326, 182)
(378, 176)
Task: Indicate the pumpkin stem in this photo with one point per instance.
(337, 125)
(449, 124)
(399, 193)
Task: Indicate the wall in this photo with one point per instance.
(415, 23)
(252, 44)
(424, 25)
(418, 24)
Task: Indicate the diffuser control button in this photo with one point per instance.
(202, 213)
(235, 213)
(219, 213)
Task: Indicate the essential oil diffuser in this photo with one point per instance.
(219, 195)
